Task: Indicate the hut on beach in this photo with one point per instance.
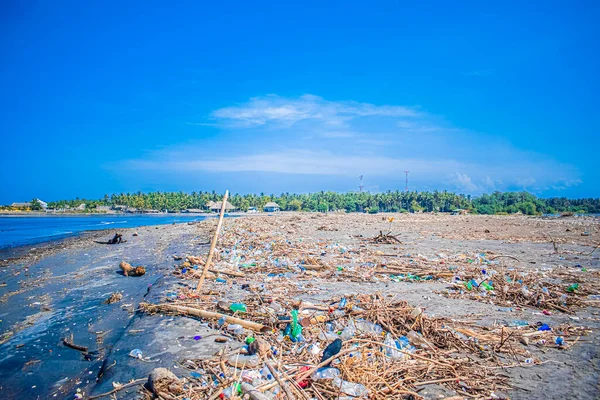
(216, 206)
(271, 207)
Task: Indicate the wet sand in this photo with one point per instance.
(59, 291)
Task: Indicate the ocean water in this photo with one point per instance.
(19, 231)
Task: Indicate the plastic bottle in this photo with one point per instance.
(315, 349)
(136, 353)
(325, 373)
(236, 329)
(349, 331)
(243, 360)
(390, 352)
(368, 327)
(329, 336)
(343, 303)
(416, 339)
(518, 323)
(594, 297)
(350, 388)
(266, 373)
(238, 307)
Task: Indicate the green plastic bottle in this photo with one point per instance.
(238, 307)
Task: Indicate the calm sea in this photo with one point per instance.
(18, 231)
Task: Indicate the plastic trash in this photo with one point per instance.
(328, 336)
(389, 351)
(266, 373)
(238, 307)
(244, 361)
(518, 323)
(325, 373)
(296, 328)
(544, 327)
(343, 303)
(416, 339)
(236, 329)
(572, 288)
(349, 331)
(559, 341)
(314, 349)
(505, 309)
(594, 297)
(368, 327)
(136, 353)
(350, 388)
(332, 349)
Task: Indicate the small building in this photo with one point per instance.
(460, 211)
(271, 207)
(216, 207)
(80, 207)
(20, 205)
(43, 204)
(103, 208)
(193, 210)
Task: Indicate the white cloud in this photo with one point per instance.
(464, 182)
(309, 135)
(272, 109)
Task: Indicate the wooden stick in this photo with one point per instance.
(136, 382)
(208, 314)
(75, 346)
(283, 385)
(211, 252)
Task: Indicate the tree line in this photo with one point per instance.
(391, 201)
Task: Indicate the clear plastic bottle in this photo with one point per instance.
(416, 339)
(266, 373)
(315, 349)
(236, 329)
(389, 351)
(350, 388)
(243, 361)
(349, 331)
(329, 336)
(325, 373)
(368, 327)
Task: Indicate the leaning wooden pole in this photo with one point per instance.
(211, 252)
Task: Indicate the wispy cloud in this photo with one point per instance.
(311, 136)
(277, 110)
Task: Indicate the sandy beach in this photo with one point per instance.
(55, 291)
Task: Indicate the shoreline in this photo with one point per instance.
(60, 289)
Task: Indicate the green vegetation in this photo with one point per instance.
(36, 205)
(495, 203)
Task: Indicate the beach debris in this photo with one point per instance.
(386, 238)
(164, 384)
(136, 353)
(70, 344)
(129, 270)
(114, 298)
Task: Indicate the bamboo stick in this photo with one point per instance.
(211, 252)
(255, 326)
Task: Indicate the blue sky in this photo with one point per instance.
(103, 97)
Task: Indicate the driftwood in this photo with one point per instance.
(164, 383)
(121, 387)
(386, 238)
(211, 252)
(129, 270)
(205, 314)
(74, 346)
